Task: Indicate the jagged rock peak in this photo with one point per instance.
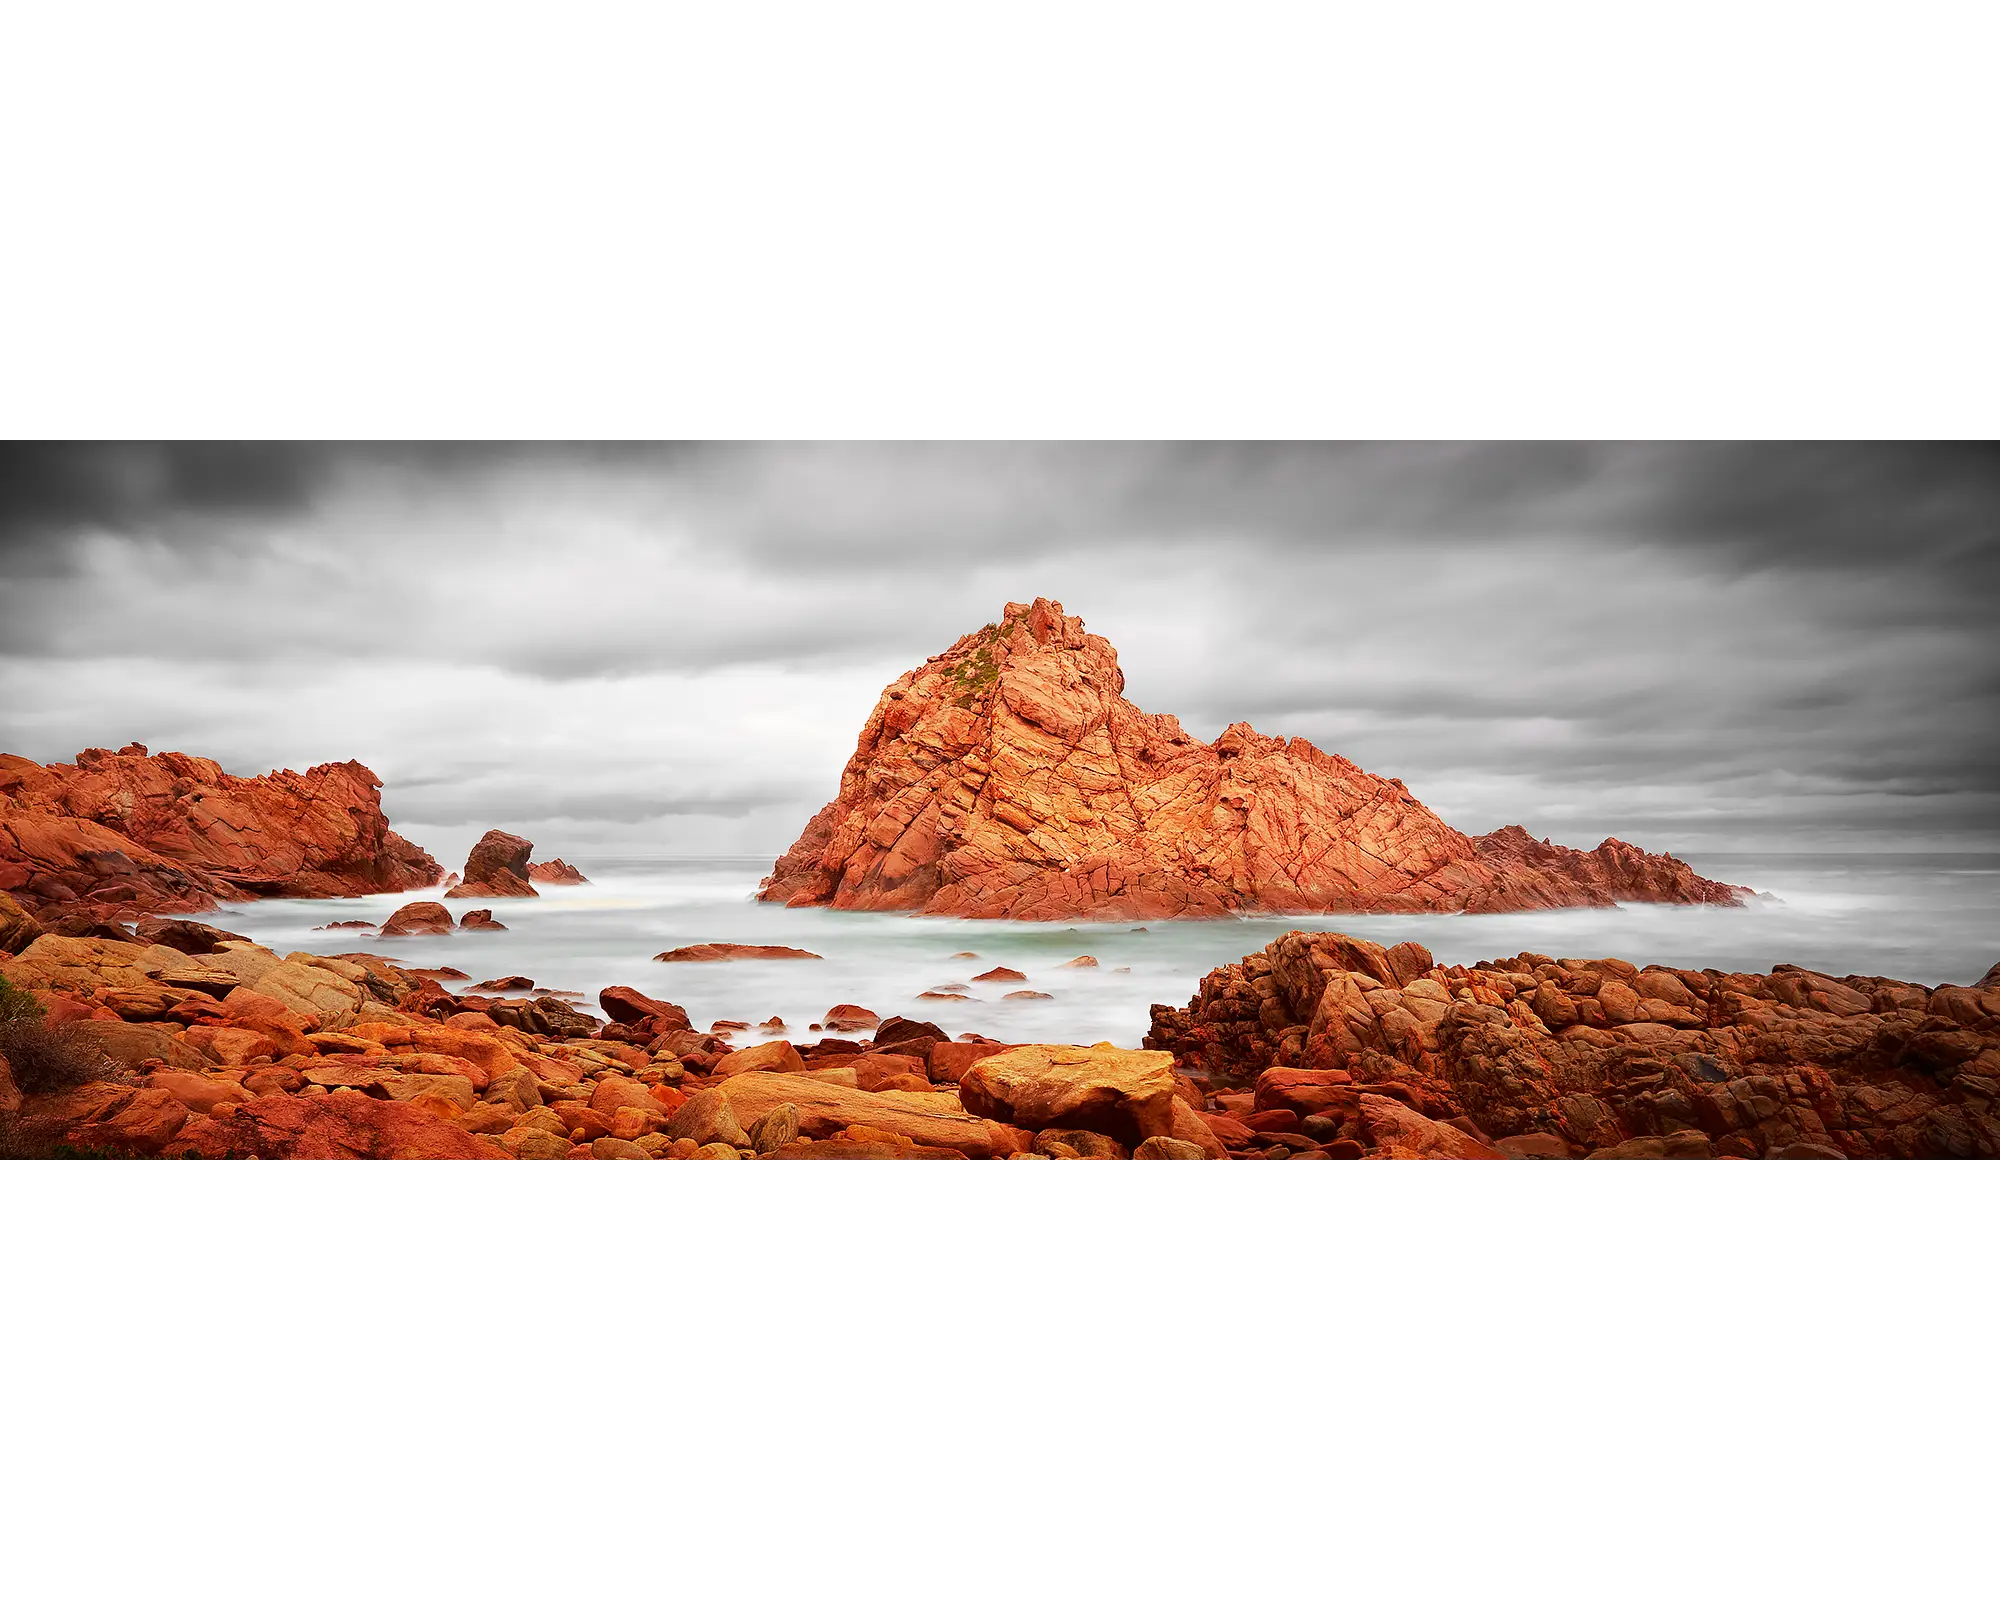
(1009, 777)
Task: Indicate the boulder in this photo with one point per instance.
(418, 917)
(1161, 1148)
(556, 871)
(709, 1118)
(935, 1120)
(1405, 1134)
(18, 929)
(775, 1128)
(497, 868)
(622, 1004)
(778, 1055)
(850, 1019)
(910, 1038)
(481, 921)
(1128, 1094)
(950, 1061)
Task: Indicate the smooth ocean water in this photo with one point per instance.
(1925, 918)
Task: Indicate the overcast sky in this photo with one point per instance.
(1693, 647)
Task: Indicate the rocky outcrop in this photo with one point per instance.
(496, 869)
(1532, 1056)
(557, 871)
(123, 832)
(736, 952)
(1009, 777)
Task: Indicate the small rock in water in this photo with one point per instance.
(504, 985)
(736, 952)
(481, 921)
(1000, 975)
(418, 917)
(1026, 994)
(1082, 961)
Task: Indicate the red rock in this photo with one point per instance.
(1161, 1148)
(949, 1062)
(507, 985)
(1026, 994)
(232, 1047)
(419, 916)
(627, 1005)
(999, 975)
(1128, 1094)
(874, 1071)
(736, 952)
(481, 921)
(851, 1019)
(1399, 1131)
(909, 1037)
(1234, 1134)
(1009, 777)
(18, 928)
(778, 1055)
(497, 868)
(707, 1118)
(580, 1120)
(144, 1124)
(197, 1091)
(861, 1150)
(556, 871)
(1749, 1065)
(824, 1109)
(175, 832)
(274, 1079)
(329, 927)
(1303, 1092)
(341, 1126)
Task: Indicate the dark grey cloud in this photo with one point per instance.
(1730, 640)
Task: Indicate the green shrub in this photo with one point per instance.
(45, 1057)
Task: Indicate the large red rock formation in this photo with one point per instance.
(127, 832)
(1538, 1057)
(1009, 777)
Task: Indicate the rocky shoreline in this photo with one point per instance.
(184, 1041)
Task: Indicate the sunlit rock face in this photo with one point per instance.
(1010, 777)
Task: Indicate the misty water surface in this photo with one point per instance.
(1926, 918)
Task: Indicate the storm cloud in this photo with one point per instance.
(1693, 646)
